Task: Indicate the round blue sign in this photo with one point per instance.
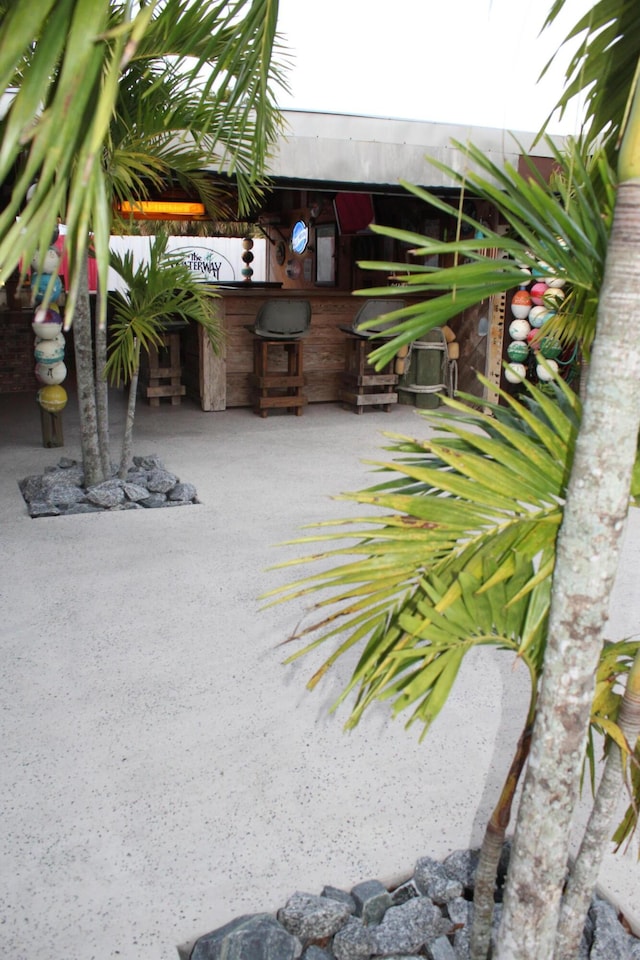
(299, 237)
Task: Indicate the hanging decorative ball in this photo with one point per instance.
(247, 258)
(556, 282)
(536, 314)
(517, 351)
(39, 284)
(527, 270)
(53, 373)
(550, 348)
(52, 398)
(547, 371)
(48, 351)
(47, 324)
(59, 339)
(518, 329)
(538, 291)
(541, 269)
(50, 315)
(521, 304)
(50, 263)
(515, 372)
(553, 296)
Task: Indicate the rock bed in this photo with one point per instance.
(60, 491)
(429, 916)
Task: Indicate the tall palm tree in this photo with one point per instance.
(114, 101)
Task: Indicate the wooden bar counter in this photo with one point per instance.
(218, 382)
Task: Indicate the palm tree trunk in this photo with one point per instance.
(127, 440)
(102, 395)
(587, 557)
(584, 873)
(83, 348)
(492, 844)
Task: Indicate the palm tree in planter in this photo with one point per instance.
(158, 291)
(116, 102)
(493, 536)
(464, 560)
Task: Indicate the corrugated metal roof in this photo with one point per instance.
(376, 150)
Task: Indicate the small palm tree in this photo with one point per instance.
(158, 291)
(464, 560)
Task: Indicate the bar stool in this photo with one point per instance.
(280, 326)
(361, 385)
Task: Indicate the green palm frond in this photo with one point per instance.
(158, 291)
(604, 66)
(564, 223)
(616, 663)
(461, 557)
(206, 96)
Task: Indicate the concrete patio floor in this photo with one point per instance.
(162, 772)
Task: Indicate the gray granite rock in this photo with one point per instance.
(82, 508)
(108, 494)
(610, 940)
(372, 900)
(183, 491)
(253, 937)
(154, 500)
(65, 494)
(134, 491)
(161, 481)
(342, 895)
(150, 462)
(31, 488)
(311, 918)
(316, 953)
(440, 949)
(432, 880)
(354, 941)
(462, 865)
(42, 508)
(406, 928)
(137, 476)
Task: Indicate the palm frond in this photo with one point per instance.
(158, 291)
(196, 80)
(604, 65)
(462, 556)
(564, 223)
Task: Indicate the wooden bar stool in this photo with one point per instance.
(361, 384)
(163, 374)
(277, 381)
(273, 387)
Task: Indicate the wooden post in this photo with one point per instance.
(52, 435)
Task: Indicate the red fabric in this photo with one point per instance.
(92, 269)
(354, 212)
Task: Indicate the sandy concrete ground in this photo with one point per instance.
(162, 771)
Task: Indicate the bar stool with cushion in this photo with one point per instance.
(277, 381)
(361, 384)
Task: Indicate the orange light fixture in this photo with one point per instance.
(163, 210)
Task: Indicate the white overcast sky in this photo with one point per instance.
(447, 61)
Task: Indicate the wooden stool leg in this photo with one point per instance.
(274, 388)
